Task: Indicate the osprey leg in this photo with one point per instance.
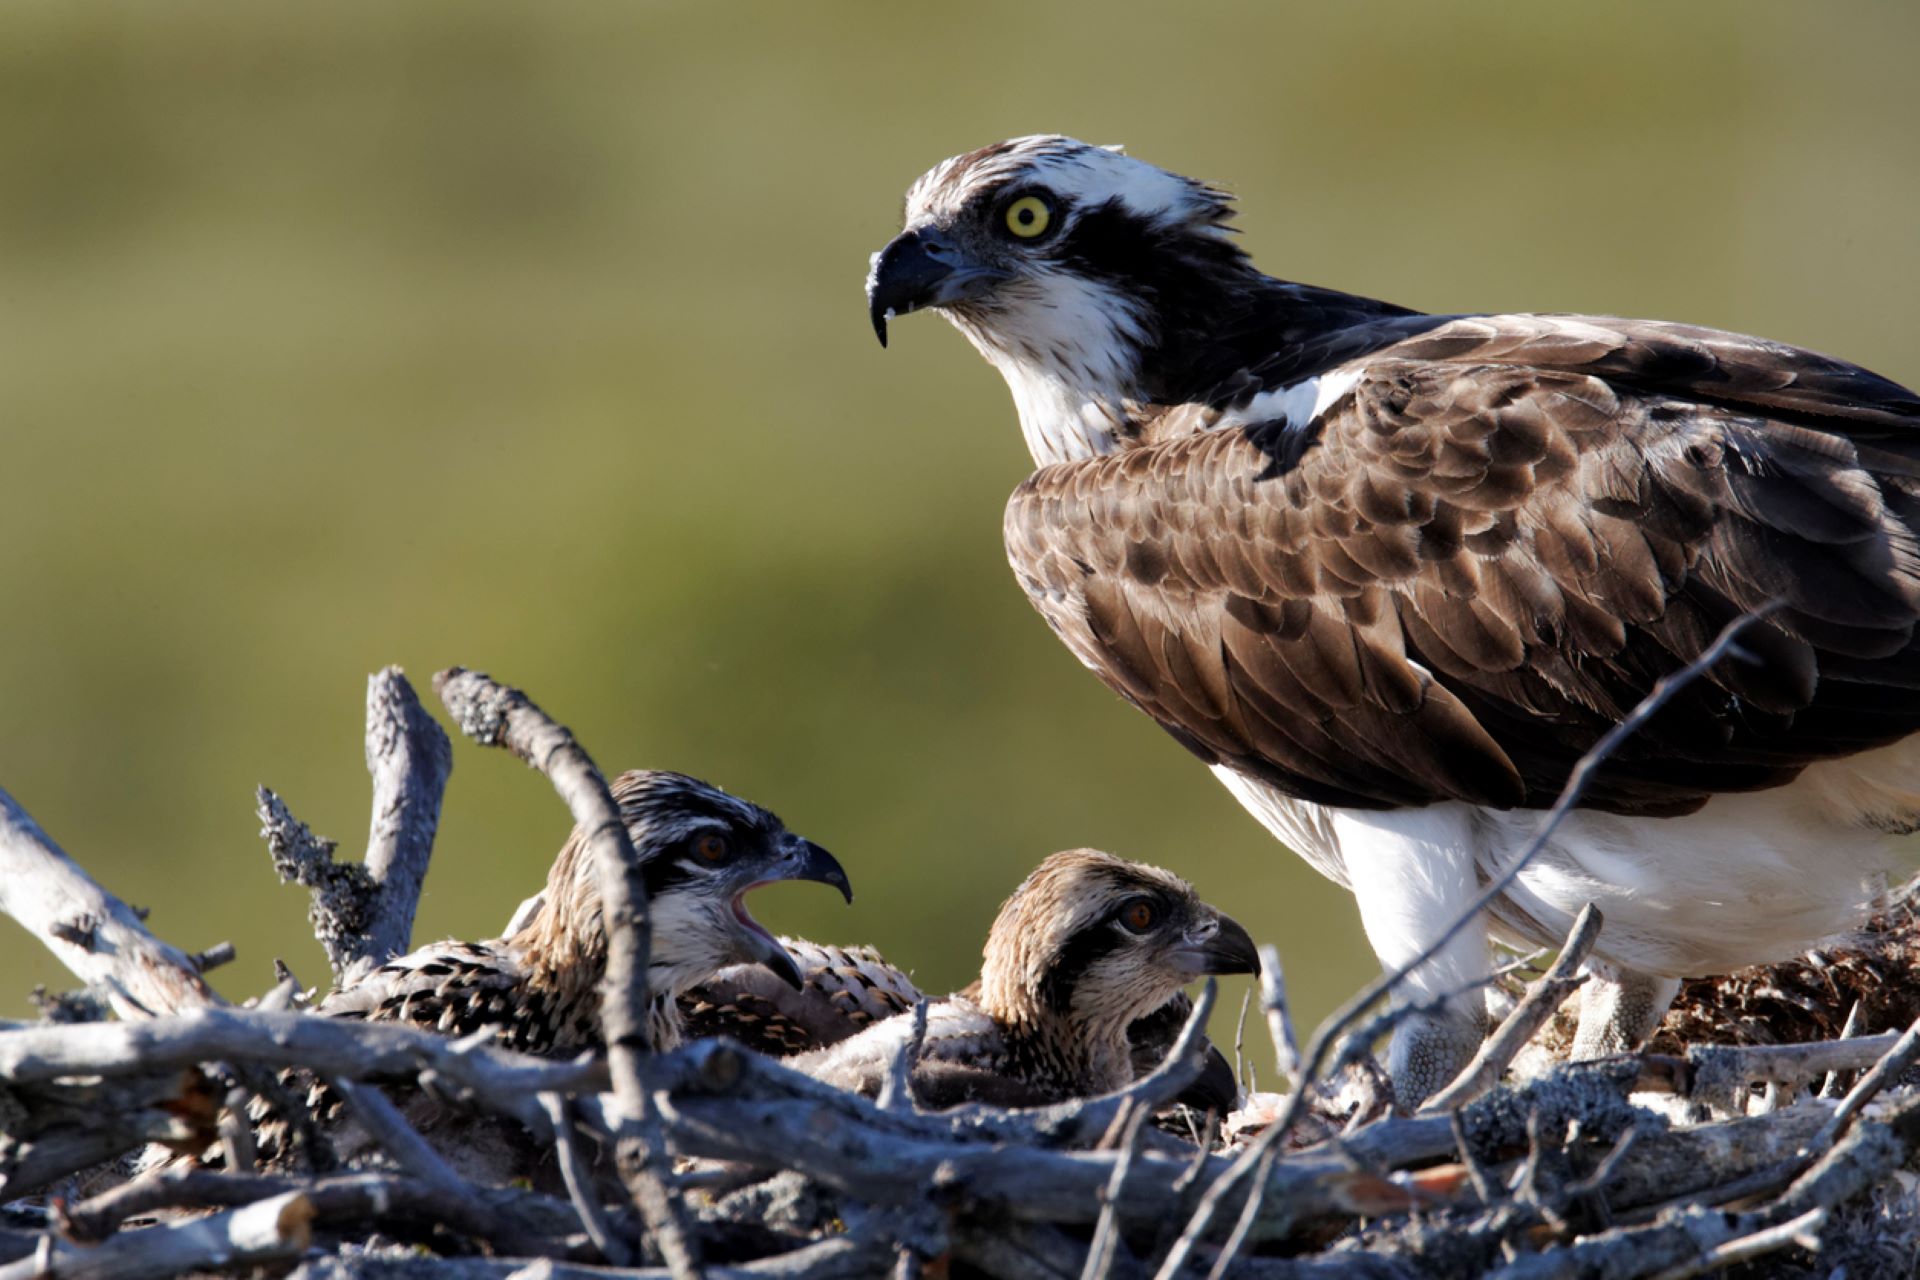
(1619, 1009)
(1413, 875)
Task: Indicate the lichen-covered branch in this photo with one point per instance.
(342, 892)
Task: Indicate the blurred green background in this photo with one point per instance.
(531, 338)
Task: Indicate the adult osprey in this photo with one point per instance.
(1391, 574)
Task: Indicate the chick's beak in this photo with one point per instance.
(919, 268)
(800, 860)
(1227, 949)
(766, 951)
(814, 863)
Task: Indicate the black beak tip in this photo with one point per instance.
(1233, 949)
(880, 326)
(785, 969)
(818, 864)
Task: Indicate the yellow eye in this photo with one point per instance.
(1028, 217)
(1138, 916)
(713, 848)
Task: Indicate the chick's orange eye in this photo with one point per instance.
(1138, 915)
(711, 847)
(1028, 217)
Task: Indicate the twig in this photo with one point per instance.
(1273, 1002)
(498, 715)
(1830, 1087)
(897, 1092)
(1106, 1231)
(236, 1134)
(266, 1231)
(502, 1079)
(1483, 1185)
(496, 1216)
(409, 758)
(840, 1258)
(1608, 1166)
(1542, 998)
(1243, 1225)
(1884, 1073)
(578, 1177)
(93, 933)
(383, 1122)
(1242, 1072)
(1348, 1013)
(1803, 1231)
(213, 957)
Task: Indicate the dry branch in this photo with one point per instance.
(409, 758)
(502, 716)
(100, 938)
(1564, 1176)
(342, 892)
(1542, 998)
(362, 912)
(270, 1230)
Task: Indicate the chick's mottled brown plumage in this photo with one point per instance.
(537, 987)
(845, 990)
(1088, 945)
(842, 991)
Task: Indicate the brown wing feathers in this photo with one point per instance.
(1501, 537)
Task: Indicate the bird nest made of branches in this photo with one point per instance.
(1790, 1154)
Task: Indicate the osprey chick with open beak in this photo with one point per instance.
(701, 851)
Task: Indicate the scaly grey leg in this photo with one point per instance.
(1619, 1009)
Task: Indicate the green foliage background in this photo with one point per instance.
(531, 338)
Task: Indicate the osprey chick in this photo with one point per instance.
(845, 990)
(1086, 946)
(701, 851)
(538, 987)
(1391, 574)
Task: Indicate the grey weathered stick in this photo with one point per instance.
(501, 1217)
(1830, 1087)
(1329, 1033)
(576, 1172)
(1719, 1074)
(1803, 1231)
(840, 1258)
(896, 1094)
(1273, 1002)
(269, 1230)
(1884, 1072)
(383, 1122)
(1106, 1231)
(409, 757)
(1542, 998)
(93, 933)
(503, 1080)
(498, 715)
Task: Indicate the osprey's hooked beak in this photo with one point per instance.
(804, 860)
(811, 862)
(918, 269)
(1227, 949)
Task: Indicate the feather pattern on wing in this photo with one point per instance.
(1466, 569)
